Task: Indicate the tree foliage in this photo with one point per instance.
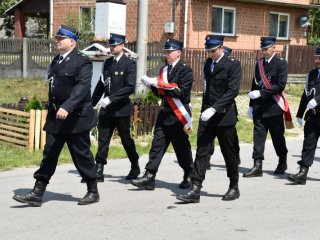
(83, 24)
(314, 28)
(8, 21)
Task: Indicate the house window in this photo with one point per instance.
(223, 20)
(279, 25)
(87, 18)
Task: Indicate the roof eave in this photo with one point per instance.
(273, 2)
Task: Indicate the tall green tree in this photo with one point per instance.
(8, 21)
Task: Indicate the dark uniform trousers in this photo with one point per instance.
(225, 135)
(79, 147)
(275, 125)
(105, 133)
(163, 136)
(311, 137)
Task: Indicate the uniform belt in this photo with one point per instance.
(315, 111)
(57, 106)
(226, 109)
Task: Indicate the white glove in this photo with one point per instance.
(312, 104)
(147, 81)
(208, 113)
(299, 121)
(254, 94)
(104, 102)
(250, 112)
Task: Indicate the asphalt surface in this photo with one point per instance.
(270, 207)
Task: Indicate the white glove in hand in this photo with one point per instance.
(147, 81)
(312, 104)
(299, 121)
(254, 94)
(250, 112)
(104, 102)
(207, 114)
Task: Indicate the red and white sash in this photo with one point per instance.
(175, 103)
(281, 100)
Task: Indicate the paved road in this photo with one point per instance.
(269, 207)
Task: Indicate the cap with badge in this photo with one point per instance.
(116, 39)
(213, 41)
(172, 44)
(67, 32)
(266, 42)
(317, 52)
(227, 51)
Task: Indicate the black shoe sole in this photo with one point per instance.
(187, 200)
(143, 187)
(296, 181)
(34, 204)
(230, 199)
(252, 176)
(88, 203)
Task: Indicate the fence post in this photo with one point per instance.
(37, 130)
(31, 129)
(25, 58)
(43, 133)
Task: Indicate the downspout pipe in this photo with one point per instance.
(185, 23)
(51, 19)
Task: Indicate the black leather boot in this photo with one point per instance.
(34, 197)
(193, 196)
(185, 184)
(256, 171)
(100, 176)
(147, 181)
(282, 165)
(300, 177)
(233, 191)
(134, 171)
(92, 195)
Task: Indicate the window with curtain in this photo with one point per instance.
(223, 20)
(279, 25)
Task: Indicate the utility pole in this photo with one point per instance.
(142, 43)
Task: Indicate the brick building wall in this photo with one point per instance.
(252, 20)
(64, 8)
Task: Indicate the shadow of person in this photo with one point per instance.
(48, 196)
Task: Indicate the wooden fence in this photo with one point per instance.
(23, 128)
(144, 118)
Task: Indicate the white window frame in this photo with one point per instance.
(278, 24)
(222, 22)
